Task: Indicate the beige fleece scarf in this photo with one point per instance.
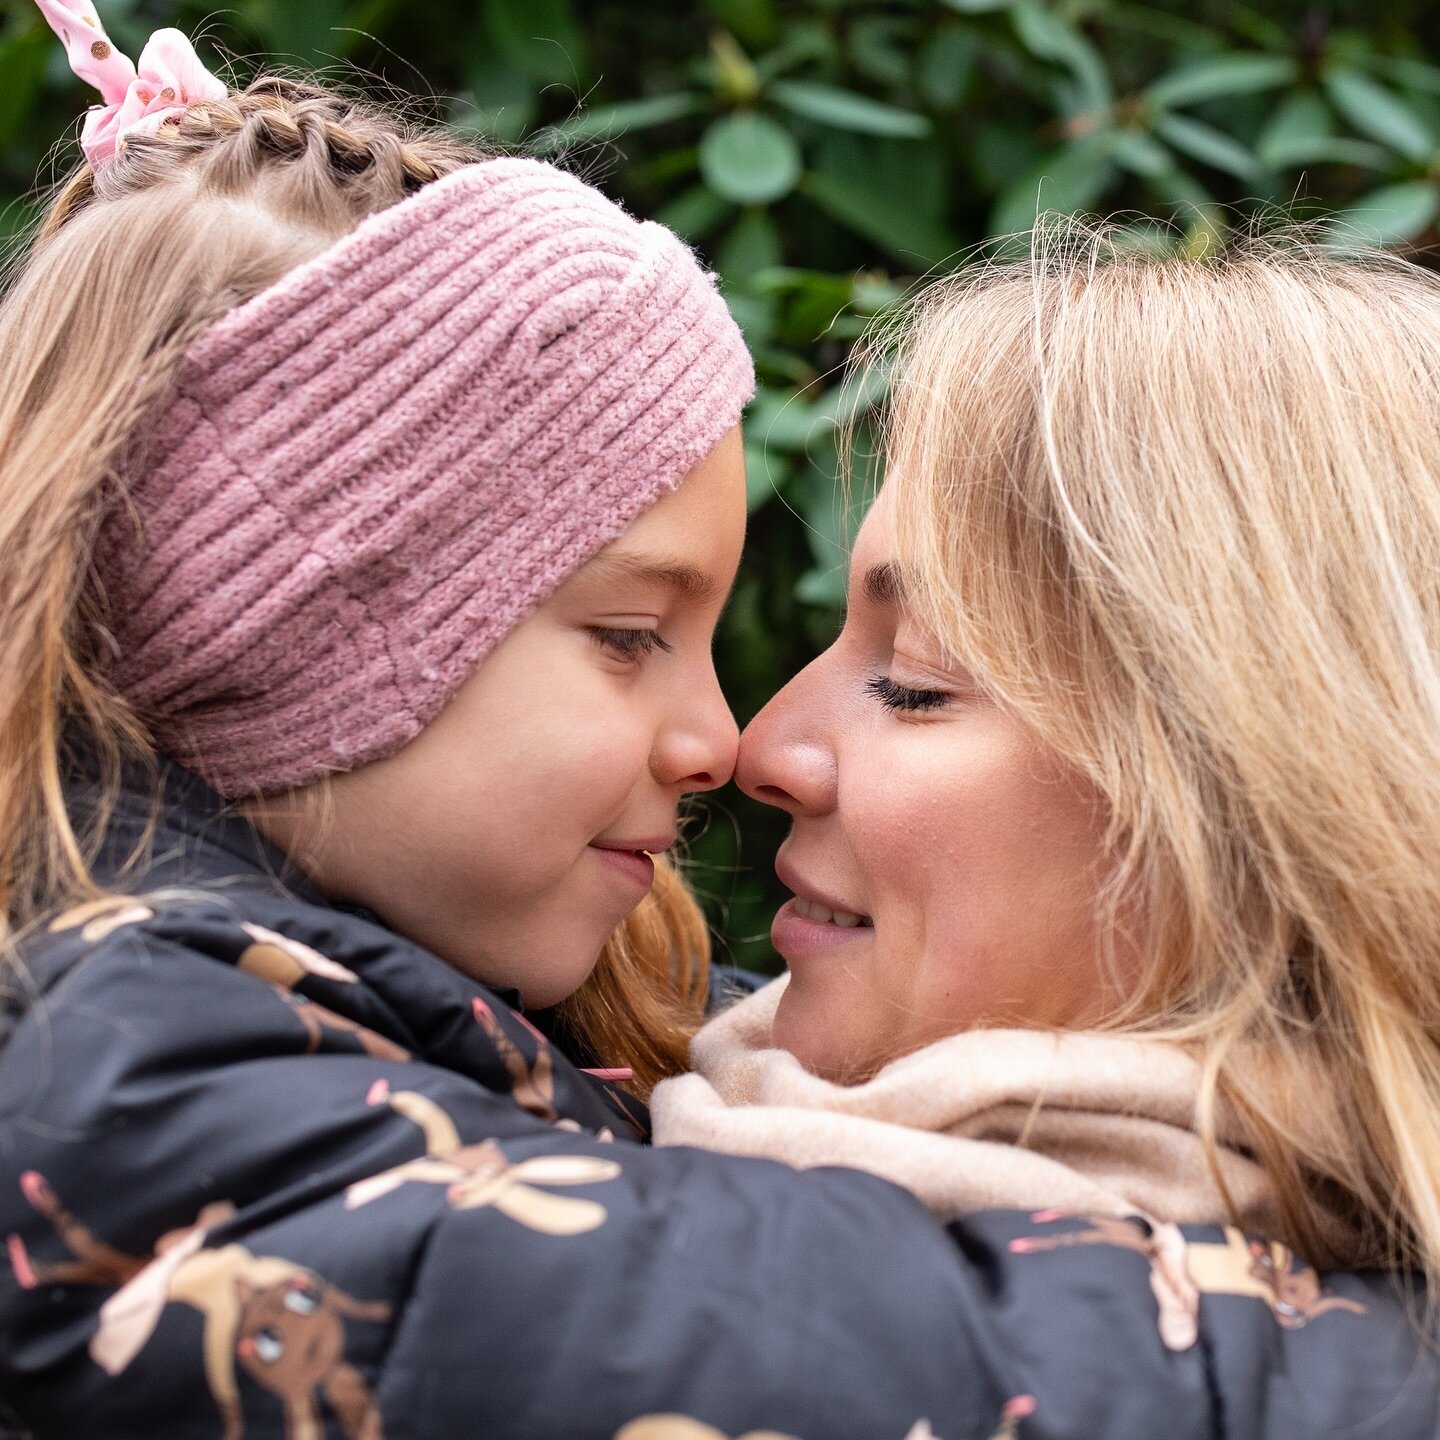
(1011, 1119)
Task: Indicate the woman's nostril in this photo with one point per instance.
(773, 795)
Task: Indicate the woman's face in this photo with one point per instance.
(510, 836)
(945, 867)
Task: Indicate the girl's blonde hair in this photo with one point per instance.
(129, 265)
(1183, 516)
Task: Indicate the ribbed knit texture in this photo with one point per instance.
(372, 471)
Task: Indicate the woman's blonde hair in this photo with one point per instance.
(128, 266)
(1183, 516)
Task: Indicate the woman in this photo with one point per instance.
(1116, 802)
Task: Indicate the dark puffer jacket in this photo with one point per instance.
(269, 1170)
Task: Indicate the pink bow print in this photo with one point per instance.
(138, 100)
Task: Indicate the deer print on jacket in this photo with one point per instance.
(532, 1084)
(1182, 1270)
(282, 963)
(272, 957)
(281, 1322)
(482, 1175)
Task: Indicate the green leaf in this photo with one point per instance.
(1413, 73)
(695, 212)
(1379, 114)
(749, 158)
(845, 110)
(16, 220)
(782, 420)
(765, 476)
(500, 103)
(999, 150)
(300, 31)
(754, 314)
(1068, 181)
(753, 22)
(1046, 36)
(1184, 197)
(22, 68)
(832, 512)
(910, 175)
(1298, 121)
(1387, 216)
(806, 42)
(1337, 150)
(503, 100)
(947, 66)
(1222, 77)
(1139, 153)
(977, 7)
(752, 245)
(539, 37)
(1206, 144)
(609, 122)
(881, 48)
(909, 237)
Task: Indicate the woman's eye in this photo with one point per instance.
(901, 697)
(628, 644)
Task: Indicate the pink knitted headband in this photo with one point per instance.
(370, 472)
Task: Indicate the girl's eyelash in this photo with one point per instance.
(901, 697)
(629, 644)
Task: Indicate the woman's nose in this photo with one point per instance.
(785, 759)
(699, 753)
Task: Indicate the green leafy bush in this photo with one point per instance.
(825, 155)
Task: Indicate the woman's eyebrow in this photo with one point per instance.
(686, 580)
(881, 585)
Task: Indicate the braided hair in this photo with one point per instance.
(329, 159)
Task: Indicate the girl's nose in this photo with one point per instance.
(699, 754)
(785, 757)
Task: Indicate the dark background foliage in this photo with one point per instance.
(824, 155)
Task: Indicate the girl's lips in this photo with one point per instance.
(794, 934)
(635, 865)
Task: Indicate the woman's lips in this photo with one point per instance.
(815, 919)
(796, 930)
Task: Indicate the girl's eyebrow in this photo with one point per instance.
(686, 580)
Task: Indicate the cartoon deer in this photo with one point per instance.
(1182, 1270)
(532, 1085)
(481, 1174)
(281, 1321)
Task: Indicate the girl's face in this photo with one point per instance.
(945, 866)
(511, 836)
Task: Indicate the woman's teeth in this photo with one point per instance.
(845, 919)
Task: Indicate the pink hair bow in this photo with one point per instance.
(138, 100)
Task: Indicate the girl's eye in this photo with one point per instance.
(901, 697)
(629, 644)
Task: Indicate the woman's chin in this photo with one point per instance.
(820, 1032)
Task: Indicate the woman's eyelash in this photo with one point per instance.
(901, 697)
(629, 644)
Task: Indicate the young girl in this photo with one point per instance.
(366, 506)
(346, 497)
(1113, 840)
